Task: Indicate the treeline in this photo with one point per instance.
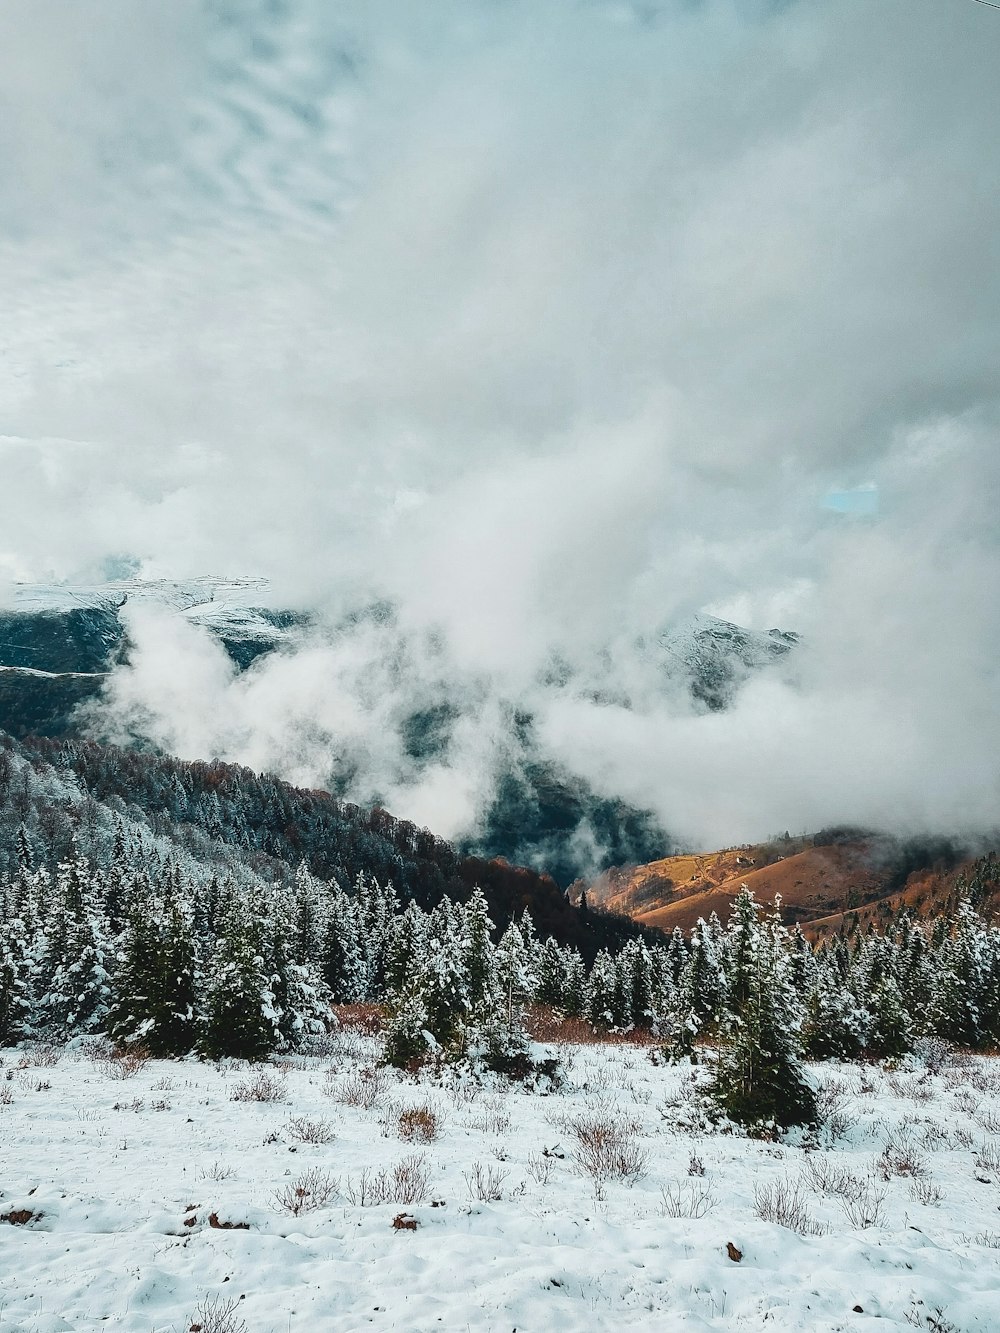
(248, 826)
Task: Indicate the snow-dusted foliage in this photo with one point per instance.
(114, 920)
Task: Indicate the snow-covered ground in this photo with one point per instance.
(139, 1187)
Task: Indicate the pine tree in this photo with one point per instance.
(240, 1018)
(156, 985)
(759, 1079)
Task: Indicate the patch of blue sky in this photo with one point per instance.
(857, 501)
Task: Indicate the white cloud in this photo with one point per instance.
(549, 323)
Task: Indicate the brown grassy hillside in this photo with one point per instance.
(824, 882)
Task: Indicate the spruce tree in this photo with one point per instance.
(759, 1080)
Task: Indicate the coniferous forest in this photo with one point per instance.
(203, 908)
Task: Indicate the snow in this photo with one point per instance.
(117, 1167)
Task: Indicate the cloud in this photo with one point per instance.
(550, 325)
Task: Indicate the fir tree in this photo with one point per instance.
(759, 1079)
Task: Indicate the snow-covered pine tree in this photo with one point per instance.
(240, 1018)
(759, 1079)
(156, 986)
(603, 993)
(72, 979)
(343, 964)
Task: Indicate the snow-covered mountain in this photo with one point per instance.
(59, 642)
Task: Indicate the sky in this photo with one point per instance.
(550, 325)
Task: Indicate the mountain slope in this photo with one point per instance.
(826, 883)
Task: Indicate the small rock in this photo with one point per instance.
(734, 1254)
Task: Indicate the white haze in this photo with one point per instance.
(550, 325)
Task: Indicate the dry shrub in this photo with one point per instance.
(900, 1157)
(121, 1062)
(494, 1117)
(782, 1202)
(989, 1121)
(687, 1198)
(19, 1217)
(368, 1020)
(607, 1147)
(988, 1159)
(419, 1124)
(218, 1172)
(935, 1053)
(539, 1167)
(217, 1316)
(864, 1208)
(549, 1025)
(40, 1055)
(404, 1222)
(926, 1192)
(311, 1190)
(826, 1177)
(6, 1095)
(310, 1131)
(485, 1183)
(967, 1102)
(408, 1182)
(364, 1088)
(261, 1085)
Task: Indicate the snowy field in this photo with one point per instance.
(156, 1199)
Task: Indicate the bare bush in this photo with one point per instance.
(214, 1315)
(782, 1202)
(696, 1167)
(831, 1179)
(900, 1157)
(39, 1055)
(494, 1117)
(304, 1130)
(419, 1124)
(989, 1121)
(933, 1321)
(926, 1192)
(607, 1147)
(988, 1160)
(967, 1102)
(218, 1172)
(311, 1190)
(261, 1085)
(122, 1062)
(539, 1167)
(687, 1198)
(411, 1179)
(369, 1190)
(934, 1137)
(485, 1183)
(865, 1208)
(408, 1182)
(6, 1095)
(364, 1088)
